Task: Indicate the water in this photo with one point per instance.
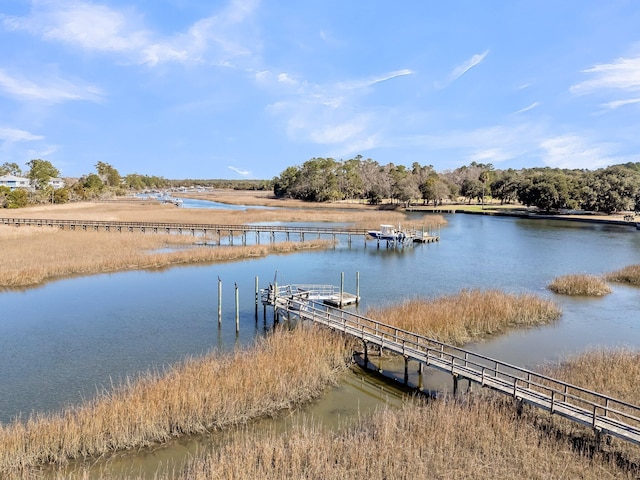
(62, 342)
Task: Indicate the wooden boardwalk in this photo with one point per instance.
(288, 232)
(604, 414)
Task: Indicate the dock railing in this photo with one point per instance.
(601, 412)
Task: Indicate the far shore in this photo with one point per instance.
(266, 198)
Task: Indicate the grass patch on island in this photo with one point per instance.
(468, 315)
(580, 285)
(629, 275)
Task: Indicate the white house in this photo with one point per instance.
(56, 183)
(14, 182)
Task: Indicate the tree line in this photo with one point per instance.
(106, 180)
(612, 189)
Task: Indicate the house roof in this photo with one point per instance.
(12, 178)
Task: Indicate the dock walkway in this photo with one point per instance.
(604, 414)
(289, 232)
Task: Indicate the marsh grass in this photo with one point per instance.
(474, 439)
(629, 275)
(583, 285)
(468, 315)
(31, 255)
(282, 371)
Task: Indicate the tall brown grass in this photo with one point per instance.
(629, 275)
(282, 371)
(583, 285)
(477, 437)
(31, 255)
(468, 315)
(613, 372)
(446, 439)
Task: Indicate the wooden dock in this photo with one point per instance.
(605, 415)
(274, 232)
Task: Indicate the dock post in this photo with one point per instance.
(275, 301)
(420, 369)
(257, 297)
(366, 354)
(357, 288)
(341, 288)
(237, 310)
(406, 370)
(219, 301)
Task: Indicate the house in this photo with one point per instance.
(14, 182)
(56, 183)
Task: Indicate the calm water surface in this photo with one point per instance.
(62, 342)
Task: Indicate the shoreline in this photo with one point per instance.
(595, 218)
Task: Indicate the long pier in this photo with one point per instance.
(602, 413)
(204, 229)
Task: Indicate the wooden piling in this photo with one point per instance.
(257, 297)
(357, 288)
(237, 310)
(406, 370)
(219, 301)
(341, 289)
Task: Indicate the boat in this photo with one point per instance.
(388, 232)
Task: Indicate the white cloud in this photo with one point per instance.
(87, 25)
(338, 133)
(244, 173)
(100, 28)
(622, 74)
(285, 78)
(15, 135)
(526, 109)
(621, 103)
(573, 151)
(368, 82)
(468, 65)
(51, 90)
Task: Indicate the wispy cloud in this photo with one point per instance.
(100, 28)
(466, 66)
(574, 151)
(621, 103)
(8, 134)
(244, 173)
(50, 89)
(333, 114)
(622, 74)
(368, 82)
(526, 109)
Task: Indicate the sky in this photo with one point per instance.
(243, 89)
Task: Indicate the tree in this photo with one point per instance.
(109, 175)
(17, 198)
(613, 189)
(10, 169)
(40, 172)
(283, 186)
(93, 182)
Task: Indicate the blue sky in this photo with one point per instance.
(245, 88)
